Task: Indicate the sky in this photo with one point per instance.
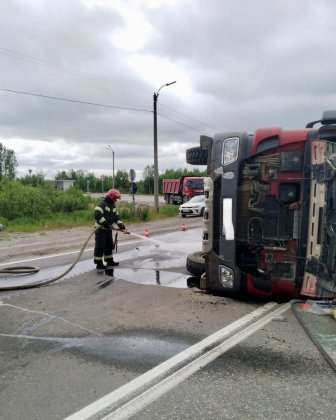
(77, 77)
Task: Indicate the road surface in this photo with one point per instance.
(65, 346)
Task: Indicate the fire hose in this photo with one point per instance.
(32, 269)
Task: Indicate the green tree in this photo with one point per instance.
(121, 181)
(148, 179)
(35, 180)
(8, 162)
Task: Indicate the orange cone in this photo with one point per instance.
(146, 233)
(184, 227)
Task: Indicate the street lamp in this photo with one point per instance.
(110, 148)
(156, 166)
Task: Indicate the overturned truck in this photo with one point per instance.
(269, 224)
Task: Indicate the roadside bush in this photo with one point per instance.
(28, 208)
(17, 200)
(125, 210)
(70, 201)
(143, 213)
(126, 213)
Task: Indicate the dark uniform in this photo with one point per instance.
(105, 214)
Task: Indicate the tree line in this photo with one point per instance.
(88, 181)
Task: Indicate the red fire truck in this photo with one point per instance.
(269, 223)
(180, 190)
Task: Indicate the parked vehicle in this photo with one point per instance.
(193, 207)
(181, 190)
(269, 224)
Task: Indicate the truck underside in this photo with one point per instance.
(270, 211)
(286, 238)
(270, 214)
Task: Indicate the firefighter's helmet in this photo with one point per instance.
(113, 194)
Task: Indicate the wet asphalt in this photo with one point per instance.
(57, 356)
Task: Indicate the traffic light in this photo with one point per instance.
(133, 187)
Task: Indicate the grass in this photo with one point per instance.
(84, 218)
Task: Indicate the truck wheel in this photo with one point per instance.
(171, 199)
(195, 263)
(197, 156)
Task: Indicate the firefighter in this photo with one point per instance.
(105, 215)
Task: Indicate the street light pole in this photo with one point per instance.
(156, 165)
(110, 148)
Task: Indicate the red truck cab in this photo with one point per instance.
(269, 223)
(177, 191)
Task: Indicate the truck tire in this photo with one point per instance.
(195, 263)
(197, 156)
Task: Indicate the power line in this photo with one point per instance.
(191, 118)
(97, 104)
(35, 60)
(73, 100)
(55, 66)
(180, 123)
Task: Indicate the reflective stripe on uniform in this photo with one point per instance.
(97, 225)
(97, 208)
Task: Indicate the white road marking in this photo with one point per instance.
(139, 402)
(112, 401)
(51, 316)
(44, 257)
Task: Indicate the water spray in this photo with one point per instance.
(146, 237)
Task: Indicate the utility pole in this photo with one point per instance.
(156, 166)
(110, 148)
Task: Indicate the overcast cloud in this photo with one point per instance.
(238, 65)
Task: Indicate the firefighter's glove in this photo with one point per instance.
(121, 226)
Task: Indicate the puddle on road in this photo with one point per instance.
(144, 264)
(144, 348)
(133, 348)
(133, 275)
(143, 276)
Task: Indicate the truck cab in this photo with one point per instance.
(269, 223)
(177, 191)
